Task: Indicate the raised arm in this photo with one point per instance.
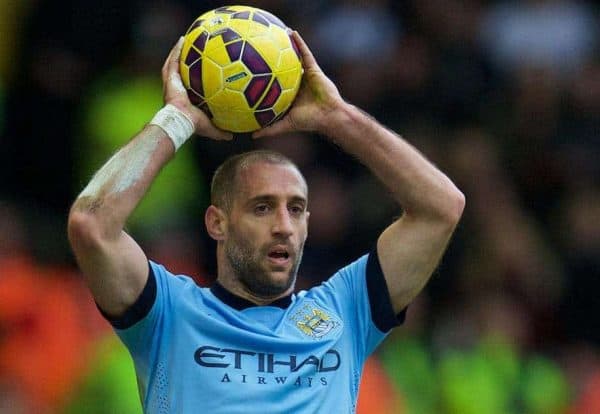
(411, 247)
(114, 266)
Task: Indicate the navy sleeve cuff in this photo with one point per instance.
(382, 310)
(141, 307)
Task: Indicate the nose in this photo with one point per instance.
(282, 224)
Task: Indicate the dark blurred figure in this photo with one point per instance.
(506, 249)
(461, 79)
(330, 227)
(579, 145)
(64, 44)
(541, 49)
(580, 229)
(355, 42)
(554, 35)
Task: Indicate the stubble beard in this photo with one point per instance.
(246, 264)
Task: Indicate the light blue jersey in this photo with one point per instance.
(204, 350)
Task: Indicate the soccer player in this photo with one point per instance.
(250, 344)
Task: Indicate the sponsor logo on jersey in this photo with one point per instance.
(214, 357)
(248, 367)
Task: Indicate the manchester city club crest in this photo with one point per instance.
(315, 322)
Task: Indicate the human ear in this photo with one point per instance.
(216, 224)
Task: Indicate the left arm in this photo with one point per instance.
(411, 247)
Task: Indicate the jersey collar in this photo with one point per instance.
(240, 303)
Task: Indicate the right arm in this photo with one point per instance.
(114, 266)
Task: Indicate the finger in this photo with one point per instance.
(307, 57)
(175, 51)
(176, 83)
(224, 136)
(219, 134)
(175, 55)
(277, 128)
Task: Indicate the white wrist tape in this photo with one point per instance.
(178, 126)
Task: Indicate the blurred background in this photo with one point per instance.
(504, 96)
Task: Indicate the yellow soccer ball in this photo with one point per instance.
(240, 65)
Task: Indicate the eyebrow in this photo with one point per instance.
(270, 198)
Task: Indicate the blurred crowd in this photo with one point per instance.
(504, 96)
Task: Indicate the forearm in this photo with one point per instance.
(415, 183)
(117, 188)
(114, 265)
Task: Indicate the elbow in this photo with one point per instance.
(444, 210)
(447, 208)
(455, 207)
(83, 230)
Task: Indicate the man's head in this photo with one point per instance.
(259, 218)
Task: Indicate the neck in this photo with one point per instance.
(241, 291)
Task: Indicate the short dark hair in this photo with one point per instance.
(225, 179)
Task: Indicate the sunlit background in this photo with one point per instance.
(503, 96)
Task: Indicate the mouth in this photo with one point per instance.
(279, 255)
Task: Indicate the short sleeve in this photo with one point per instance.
(146, 325)
(359, 294)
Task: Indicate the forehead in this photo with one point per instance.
(263, 178)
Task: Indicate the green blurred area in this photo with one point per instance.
(493, 378)
(108, 386)
(118, 107)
